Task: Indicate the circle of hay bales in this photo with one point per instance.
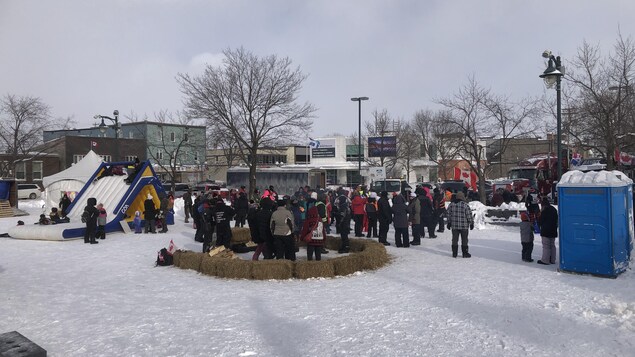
(364, 255)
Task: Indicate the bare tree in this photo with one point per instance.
(437, 136)
(251, 99)
(471, 118)
(604, 95)
(512, 119)
(22, 122)
(382, 127)
(408, 145)
(173, 142)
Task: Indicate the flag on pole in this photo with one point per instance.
(93, 144)
(314, 144)
(576, 159)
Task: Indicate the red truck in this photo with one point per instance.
(540, 169)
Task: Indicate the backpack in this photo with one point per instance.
(85, 216)
(164, 258)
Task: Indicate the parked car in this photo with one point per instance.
(454, 185)
(179, 188)
(29, 190)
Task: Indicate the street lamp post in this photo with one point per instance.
(553, 75)
(103, 127)
(359, 136)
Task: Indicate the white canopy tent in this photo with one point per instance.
(69, 181)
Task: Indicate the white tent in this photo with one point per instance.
(69, 181)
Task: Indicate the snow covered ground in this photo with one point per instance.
(109, 299)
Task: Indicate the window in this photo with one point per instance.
(129, 158)
(20, 171)
(159, 155)
(331, 177)
(106, 158)
(172, 137)
(77, 158)
(36, 169)
(130, 135)
(195, 154)
(351, 153)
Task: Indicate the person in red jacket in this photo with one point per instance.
(357, 206)
(312, 235)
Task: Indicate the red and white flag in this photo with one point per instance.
(623, 157)
(93, 144)
(171, 247)
(467, 175)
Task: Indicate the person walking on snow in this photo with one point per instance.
(548, 222)
(459, 221)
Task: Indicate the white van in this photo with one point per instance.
(29, 190)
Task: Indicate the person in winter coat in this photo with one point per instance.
(428, 214)
(296, 210)
(187, 205)
(197, 216)
(371, 212)
(252, 212)
(532, 204)
(415, 218)
(149, 215)
(264, 236)
(222, 218)
(101, 222)
(322, 211)
(91, 214)
(384, 215)
(164, 204)
(357, 207)
(459, 221)
(137, 222)
(282, 226)
(241, 206)
(438, 203)
(400, 213)
(344, 209)
(548, 222)
(207, 223)
(526, 237)
(65, 202)
(314, 240)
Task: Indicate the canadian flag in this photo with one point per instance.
(93, 144)
(171, 247)
(466, 175)
(622, 157)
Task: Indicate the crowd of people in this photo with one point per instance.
(278, 223)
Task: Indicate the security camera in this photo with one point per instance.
(546, 54)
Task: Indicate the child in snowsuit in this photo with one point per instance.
(101, 222)
(526, 237)
(137, 222)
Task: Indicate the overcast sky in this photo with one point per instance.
(87, 57)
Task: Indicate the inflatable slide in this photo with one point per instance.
(120, 199)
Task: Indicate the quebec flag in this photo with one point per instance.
(314, 144)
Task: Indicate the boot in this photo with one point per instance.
(455, 251)
(464, 249)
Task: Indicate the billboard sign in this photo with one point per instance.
(382, 146)
(324, 149)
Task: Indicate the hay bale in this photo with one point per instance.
(374, 256)
(281, 269)
(209, 265)
(240, 235)
(348, 265)
(358, 245)
(234, 268)
(190, 260)
(314, 269)
(332, 242)
(176, 258)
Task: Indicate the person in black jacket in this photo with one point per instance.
(241, 206)
(65, 202)
(384, 215)
(344, 209)
(149, 215)
(264, 236)
(91, 220)
(252, 213)
(222, 218)
(548, 222)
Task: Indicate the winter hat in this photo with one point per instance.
(373, 195)
(149, 196)
(314, 195)
(137, 213)
(460, 196)
(412, 194)
(524, 217)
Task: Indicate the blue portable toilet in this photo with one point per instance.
(596, 222)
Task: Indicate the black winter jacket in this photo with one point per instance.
(548, 222)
